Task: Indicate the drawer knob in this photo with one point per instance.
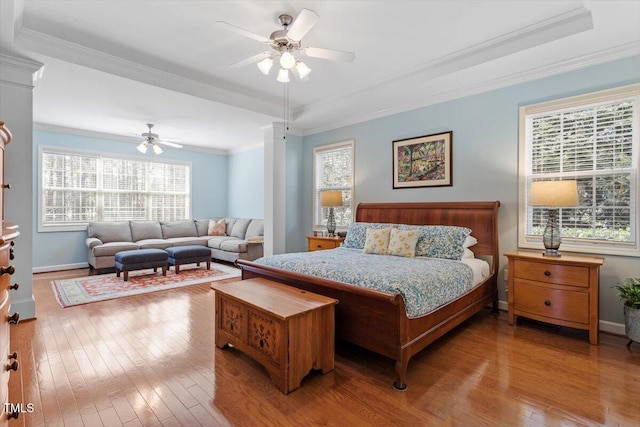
(7, 270)
(547, 273)
(14, 414)
(7, 186)
(13, 355)
(547, 303)
(11, 254)
(14, 287)
(14, 318)
(12, 367)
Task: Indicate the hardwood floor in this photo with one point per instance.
(150, 360)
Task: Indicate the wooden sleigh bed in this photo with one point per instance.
(377, 320)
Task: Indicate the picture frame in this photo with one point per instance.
(423, 161)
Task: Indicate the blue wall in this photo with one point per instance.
(209, 192)
(485, 156)
(246, 184)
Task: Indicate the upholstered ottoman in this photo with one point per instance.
(140, 259)
(179, 255)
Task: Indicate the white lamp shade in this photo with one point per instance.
(283, 76)
(265, 65)
(331, 198)
(157, 149)
(287, 61)
(553, 194)
(303, 70)
(142, 148)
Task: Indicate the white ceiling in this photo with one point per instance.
(112, 66)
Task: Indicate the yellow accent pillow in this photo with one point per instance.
(403, 242)
(377, 241)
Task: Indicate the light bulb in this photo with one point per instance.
(283, 76)
(265, 65)
(303, 70)
(287, 61)
(142, 147)
(157, 149)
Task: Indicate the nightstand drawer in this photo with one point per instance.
(553, 303)
(552, 273)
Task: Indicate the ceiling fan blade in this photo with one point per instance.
(168, 143)
(333, 55)
(241, 31)
(303, 23)
(251, 60)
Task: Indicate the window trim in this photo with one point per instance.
(348, 143)
(573, 245)
(82, 226)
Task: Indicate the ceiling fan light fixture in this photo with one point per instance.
(303, 69)
(142, 147)
(265, 65)
(157, 149)
(287, 61)
(283, 76)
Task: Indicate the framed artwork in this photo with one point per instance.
(423, 161)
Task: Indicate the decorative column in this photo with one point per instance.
(274, 190)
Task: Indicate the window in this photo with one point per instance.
(592, 139)
(80, 186)
(333, 170)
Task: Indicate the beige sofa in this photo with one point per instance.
(243, 238)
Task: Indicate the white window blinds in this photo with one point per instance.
(593, 140)
(333, 170)
(77, 187)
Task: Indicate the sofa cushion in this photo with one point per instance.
(229, 222)
(110, 231)
(239, 229)
(202, 226)
(143, 230)
(154, 244)
(255, 229)
(234, 245)
(111, 248)
(215, 241)
(217, 228)
(185, 241)
(171, 229)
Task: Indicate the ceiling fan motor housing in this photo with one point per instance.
(279, 40)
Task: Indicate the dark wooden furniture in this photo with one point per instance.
(287, 330)
(559, 290)
(8, 233)
(319, 243)
(377, 320)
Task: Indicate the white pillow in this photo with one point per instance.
(469, 241)
(468, 254)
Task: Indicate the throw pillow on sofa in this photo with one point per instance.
(217, 228)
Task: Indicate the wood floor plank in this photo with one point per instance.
(150, 360)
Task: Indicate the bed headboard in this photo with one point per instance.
(480, 217)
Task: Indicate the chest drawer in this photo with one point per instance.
(320, 244)
(572, 306)
(552, 273)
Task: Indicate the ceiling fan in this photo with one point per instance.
(284, 43)
(152, 140)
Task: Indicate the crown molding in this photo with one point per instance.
(114, 137)
(44, 44)
(19, 71)
(603, 56)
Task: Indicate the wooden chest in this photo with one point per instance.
(287, 330)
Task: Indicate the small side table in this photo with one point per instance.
(558, 290)
(317, 243)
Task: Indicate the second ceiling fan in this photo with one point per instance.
(284, 43)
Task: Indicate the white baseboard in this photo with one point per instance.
(603, 325)
(49, 268)
(26, 308)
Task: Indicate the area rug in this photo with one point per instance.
(87, 289)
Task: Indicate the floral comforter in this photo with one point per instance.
(424, 283)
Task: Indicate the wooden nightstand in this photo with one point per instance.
(317, 243)
(559, 290)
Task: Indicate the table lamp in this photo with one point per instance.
(553, 195)
(330, 199)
